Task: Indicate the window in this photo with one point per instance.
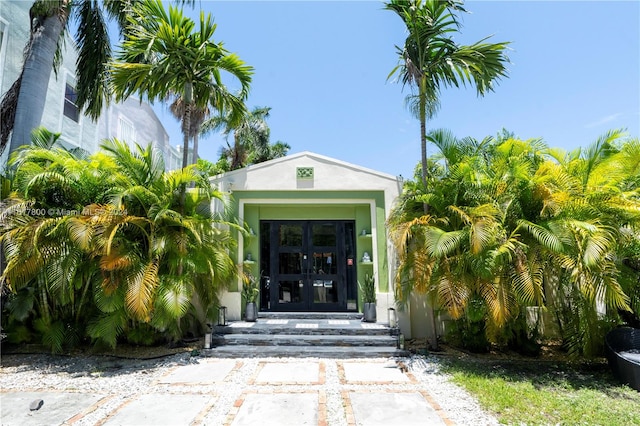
(2, 25)
(70, 99)
(3, 42)
(126, 131)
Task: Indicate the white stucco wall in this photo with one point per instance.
(85, 134)
(329, 175)
(147, 128)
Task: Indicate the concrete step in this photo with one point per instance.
(311, 315)
(303, 340)
(305, 334)
(306, 327)
(248, 351)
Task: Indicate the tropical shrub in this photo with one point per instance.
(104, 248)
(515, 224)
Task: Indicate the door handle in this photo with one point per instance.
(305, 264)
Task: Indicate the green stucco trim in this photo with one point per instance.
(329, 205)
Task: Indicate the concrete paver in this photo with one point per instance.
(160, 409)
(393, 408)
(373, 372)
(279, 409)
(58, 407)
(289, 372)
(241, 392)
(207, 371)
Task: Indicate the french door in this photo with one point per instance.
(309, 265)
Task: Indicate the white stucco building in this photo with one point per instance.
(130, 121)
(319, 228)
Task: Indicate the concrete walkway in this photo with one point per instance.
(236, 392)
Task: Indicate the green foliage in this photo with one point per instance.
(512, 224)
(169, 56)
(470, 335)
(107, 327)
(207, 168)
(368, 289)
(18, 333)
(584, 328)
(53, 334)
(250, 288)
(518, 336)
(251, 138)
(469, 332)
(144, 335)
(102, 247)
(21, 304)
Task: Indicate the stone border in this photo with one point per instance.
(89, 410)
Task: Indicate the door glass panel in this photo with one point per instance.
(290, 291)
(290, 263)
(290, 235)
(350, 251)
(265, 265)
(324, 234)
(324, 263)
(325, 291)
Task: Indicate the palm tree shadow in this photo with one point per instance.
(78, 366)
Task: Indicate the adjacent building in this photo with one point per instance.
(131, 121)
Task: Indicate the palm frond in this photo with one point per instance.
(140, 292)
(108, 327)
(544, 236)
(453, 295)
(440, 243)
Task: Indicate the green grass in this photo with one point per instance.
(547, 393)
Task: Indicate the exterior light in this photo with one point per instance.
(401, 341)
(391, 317)
(222, 315)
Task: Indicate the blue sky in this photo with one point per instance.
(322, 67)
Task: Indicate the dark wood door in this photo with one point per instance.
(308, 266)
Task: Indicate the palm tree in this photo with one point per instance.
(164, 54)
(23, 104)
(589, 218)
(430, 59)
(251, 134)
(278, 150)
(198, 117)
(466, 252)
(158, 259)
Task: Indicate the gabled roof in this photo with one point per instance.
(321, 173)
(299, 158)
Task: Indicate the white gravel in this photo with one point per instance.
(124, 379)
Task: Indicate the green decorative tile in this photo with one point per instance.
(304, 172)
